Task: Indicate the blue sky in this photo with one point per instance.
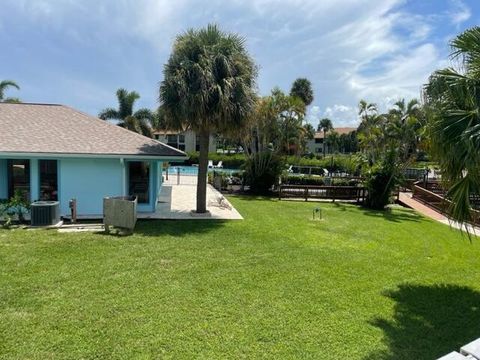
(79, 52)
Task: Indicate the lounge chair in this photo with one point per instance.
(290, 169)
(210, 164)
(219, 165)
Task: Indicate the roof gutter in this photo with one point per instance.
(90, 156)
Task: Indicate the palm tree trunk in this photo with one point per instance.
(204, 138)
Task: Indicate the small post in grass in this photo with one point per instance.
(317, 213)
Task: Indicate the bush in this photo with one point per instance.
(262, 171)
(16, 206)
(303, 180)
(317, 180)
(381, 181)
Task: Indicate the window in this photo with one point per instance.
(318, 150)
(318, 141)
(18, 172)
(181, 139)
(48, 180)
(197, 143)
(172, 140)
(139, 181)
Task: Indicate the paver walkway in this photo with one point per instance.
(178, 201)
(406, 199)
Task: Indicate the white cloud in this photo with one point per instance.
(460, 12)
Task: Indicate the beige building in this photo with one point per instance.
(315, 146)
(185, 140)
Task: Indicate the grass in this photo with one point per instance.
(357, 285)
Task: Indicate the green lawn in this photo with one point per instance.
(357, 285)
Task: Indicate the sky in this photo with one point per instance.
(78, 53)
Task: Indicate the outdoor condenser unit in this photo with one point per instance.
(45, 213)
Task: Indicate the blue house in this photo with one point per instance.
(53, 152)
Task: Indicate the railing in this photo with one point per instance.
(354, 193)
(429, 194)
(430, 198)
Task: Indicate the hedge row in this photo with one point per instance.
(317, 180)
(236, 161)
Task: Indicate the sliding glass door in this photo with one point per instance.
(139, 180)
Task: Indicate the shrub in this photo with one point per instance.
(303, 180)
(262, 170)
(317, 180)
(16, 206)
(381, 181)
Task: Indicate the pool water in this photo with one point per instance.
(193, 170)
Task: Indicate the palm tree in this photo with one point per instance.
(4, 85)
(333, 140)
(405, 126)
(208, 86)
(325, 125)
(139, 121)
(302, 88)
(453, 108)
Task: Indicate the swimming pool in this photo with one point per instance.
(193, 170)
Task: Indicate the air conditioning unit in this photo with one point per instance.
(45, 213)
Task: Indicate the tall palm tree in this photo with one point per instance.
(453, 107)
(333, 140)
(208, 86)
(405, 126)
(325, 125)
(302, 88)
(139, 121)
(4, 85)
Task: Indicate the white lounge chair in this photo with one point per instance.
(219, 165)
(290, 169)
(210, 164)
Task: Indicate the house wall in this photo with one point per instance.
(89, 181)
(316, 148)
(3, 179)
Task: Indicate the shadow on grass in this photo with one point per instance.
(177, 227)
(397, 215)
(429, 321)
(251, 196)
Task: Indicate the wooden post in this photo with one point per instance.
(306, 193)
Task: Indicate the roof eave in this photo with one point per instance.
(6, 154)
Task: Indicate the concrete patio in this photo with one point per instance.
(177, 202)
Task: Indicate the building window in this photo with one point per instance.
(197, 143)
(318, 150)
(139, 181)
(18, 172)
(48, 180)
(172, 140)
(318, 141)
